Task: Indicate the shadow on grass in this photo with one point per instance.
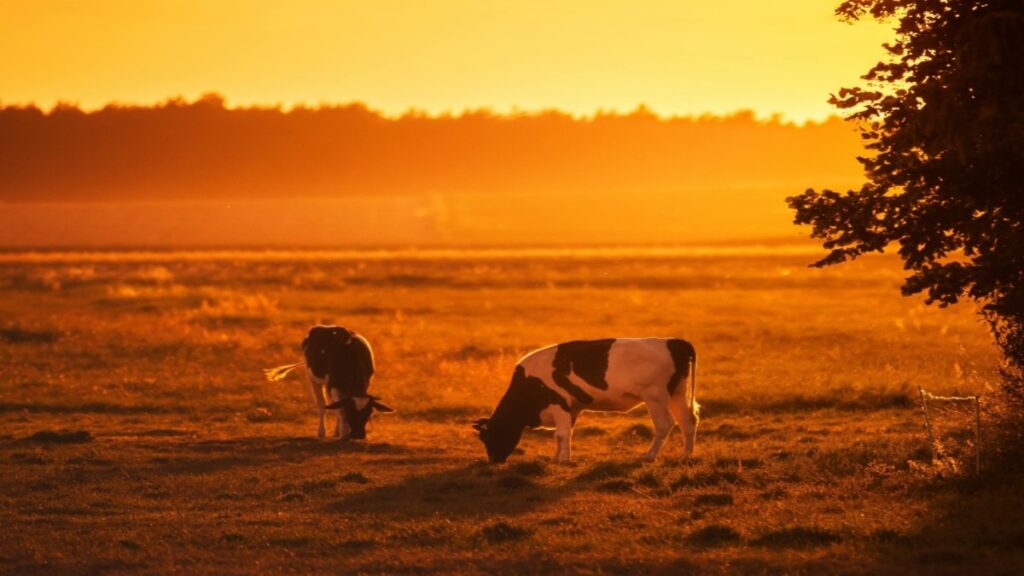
(90, 408)
(854, 401)
(19, 335)
(974, 527)
(477, 490)
(210, 456)
(61, 437)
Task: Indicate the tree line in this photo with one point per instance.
(201, 149)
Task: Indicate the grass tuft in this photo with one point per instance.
(615, 486)
(354, 478)
(259, 415)
(356, 545)
(638, 432)
(704, 479)
(503, 532)
(799, 537)
(714, 535)
(774, 494)
(722, 499)
(292, 541)
(648, 478)
(471, 352)
(530, 468)
(129, 544)
(446, 413)
(608, 470)
(886, 536)
(318, 485)
(515, 482)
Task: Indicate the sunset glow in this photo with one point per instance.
(511, 287)
(679, 58)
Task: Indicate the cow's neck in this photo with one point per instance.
(510, 416)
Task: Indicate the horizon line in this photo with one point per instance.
(641, 109)
(764, 246)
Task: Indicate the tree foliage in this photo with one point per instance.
(943, 117)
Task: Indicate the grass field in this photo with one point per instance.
(138, 435)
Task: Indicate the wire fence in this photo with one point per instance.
(950, 421)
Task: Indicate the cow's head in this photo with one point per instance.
(321, 346)
(358, 410)
(518, 409)
(499, 440)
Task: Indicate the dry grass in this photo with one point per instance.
(139, 437)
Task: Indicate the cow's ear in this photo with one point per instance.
(481, 424)
(380, 407)
(304, 342)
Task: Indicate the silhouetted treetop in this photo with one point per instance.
(943, 117)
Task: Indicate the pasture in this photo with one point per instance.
(138, 434)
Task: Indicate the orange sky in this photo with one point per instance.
(683, 57)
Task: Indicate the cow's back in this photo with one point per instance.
(351, 367)
(609, 374)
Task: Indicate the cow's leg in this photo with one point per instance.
(341, 428)
(317, 395)
(687, 418)
(563, 436)
(663, 422)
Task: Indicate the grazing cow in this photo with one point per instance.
(339, 364)
(551, 386)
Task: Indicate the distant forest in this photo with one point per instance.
(203, 149)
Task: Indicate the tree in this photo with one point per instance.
(943, 118)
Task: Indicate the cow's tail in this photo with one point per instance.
(694, 406)
(279, 372)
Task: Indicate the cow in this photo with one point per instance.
(339, 366)
(552, 385)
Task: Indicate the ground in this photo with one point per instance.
(137, 434)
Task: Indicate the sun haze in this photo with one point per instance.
(694, 57)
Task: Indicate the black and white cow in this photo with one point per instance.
(339, 365)
(551, 386)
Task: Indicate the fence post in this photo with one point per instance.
(977, 435)
(927, 422)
